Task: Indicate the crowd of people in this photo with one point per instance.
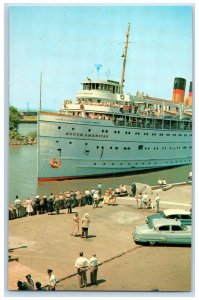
(29, 285)
(70, 199)
(82, 265)
(144, 201)
(54, 203)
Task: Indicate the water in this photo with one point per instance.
(23, 174)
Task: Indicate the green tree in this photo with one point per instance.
(14, 118)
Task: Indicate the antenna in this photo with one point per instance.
(98, 66)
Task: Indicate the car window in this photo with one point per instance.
(164, 228)
(185, 217)
(173, 216)
(176, 228)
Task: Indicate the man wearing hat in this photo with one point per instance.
(29, 282)
(52, 280)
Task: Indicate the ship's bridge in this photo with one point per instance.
(106, 90)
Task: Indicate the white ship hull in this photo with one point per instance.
(91, 147)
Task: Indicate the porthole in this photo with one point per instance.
(97, 147)
(86, 144)
(57, 141)
(73, 128)
(94, 164)
(59, 127)
(89, 130)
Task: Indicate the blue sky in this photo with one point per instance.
(65, 43)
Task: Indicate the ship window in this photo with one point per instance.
(89, 129)
(106, 131)
(140, 147)
(111, 147)
(97, 147)
(59, 127)
(116, 148)
(118, 132)
(70, 142)
(128, 164)
(121, 164)
(112, 164)
(57, 141)
(86, 144)
(104, 164)
(94, 164)
(73, 128)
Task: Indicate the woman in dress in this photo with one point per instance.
(29, 208)
(75, 225)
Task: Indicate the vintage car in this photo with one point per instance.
(180, 214)
(163, 231)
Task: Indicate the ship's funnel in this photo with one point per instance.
(190, 95)
(179, 90)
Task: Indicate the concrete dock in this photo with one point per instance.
(44, 241)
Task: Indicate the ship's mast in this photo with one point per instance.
(124, 60)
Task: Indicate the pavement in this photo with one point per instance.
(40, 242)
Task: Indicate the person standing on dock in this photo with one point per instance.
(85, 225)
(29, 208)
(133, 189)
(57, 204)
(93, 266)
(157, 201)
(52, 280)
(30, 283)
(50, 203)
(81, 264)
(96, 199)
(69, 202)
(17, 206)
(99, 188)
(75, 225)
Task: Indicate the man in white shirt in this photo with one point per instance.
(93, 266)
(81, 264)
(52, 280)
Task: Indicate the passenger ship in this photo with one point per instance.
(107, 132)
